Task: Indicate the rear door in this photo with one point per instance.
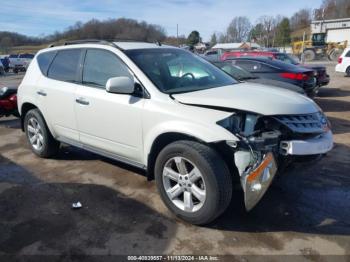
(108, 123)
(56, 92)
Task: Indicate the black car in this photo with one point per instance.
(243, 75)
(322, 78)
(278, 70)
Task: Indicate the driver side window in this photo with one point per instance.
(100, 65)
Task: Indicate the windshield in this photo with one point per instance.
(235, 71)
(286, 58)
(178, 71)
(30, 56)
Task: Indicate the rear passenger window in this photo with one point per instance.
(65, 66)
(347, 54)
(100, 65)
(251, 66)
(44, 61)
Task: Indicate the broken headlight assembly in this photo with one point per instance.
(253, 155)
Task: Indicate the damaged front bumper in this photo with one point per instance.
(255, 180)
(258, 168)
(314, 146)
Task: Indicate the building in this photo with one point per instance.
(336, 30)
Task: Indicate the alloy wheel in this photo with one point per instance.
(35, 134)
(184, 184)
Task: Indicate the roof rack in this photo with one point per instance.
(87, 41)
(103, 42)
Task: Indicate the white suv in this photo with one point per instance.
(190, 125)
(343, 65)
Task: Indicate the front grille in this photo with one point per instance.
(308, 123)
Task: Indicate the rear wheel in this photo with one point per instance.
(309, 55)
(193, 181)
(348, 71)
(39, 136)
(335, 54)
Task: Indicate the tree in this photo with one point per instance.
(332, 9)
(5, 44)
(238, 30)
(257, 34)
(283, 33)
(300, 19)
(268, 24)
(213, 39)
(193, 38)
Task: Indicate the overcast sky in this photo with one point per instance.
(43, 17)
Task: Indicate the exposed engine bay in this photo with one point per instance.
(266, 143)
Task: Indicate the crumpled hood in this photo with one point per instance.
(251, 97)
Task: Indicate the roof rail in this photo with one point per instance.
(87, 41)
(104, 42)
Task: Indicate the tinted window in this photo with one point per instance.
(44, 61)
(348, 54)
(253, 66)
(212, 53)
(65, 65)
(13, 56)
(286, 58)
(100, 65)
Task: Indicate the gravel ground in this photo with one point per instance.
(306, 212)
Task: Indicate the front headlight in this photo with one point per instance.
(232, 123)
(326, 125)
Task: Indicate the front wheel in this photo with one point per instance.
(193, 181)
(39, 136)
(309, 55)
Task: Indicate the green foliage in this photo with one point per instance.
(213, 40)
(193, 38)
(283, 33)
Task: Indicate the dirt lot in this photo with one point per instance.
(306, 212)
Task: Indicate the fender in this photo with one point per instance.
(205, 133)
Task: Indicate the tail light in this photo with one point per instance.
(340, 59)
(295, 76)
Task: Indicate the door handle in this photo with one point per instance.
(41, 93)
(82, 101)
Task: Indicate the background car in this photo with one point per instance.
(6, 63)
(343, 65)
(17, 64)
(243, 75)
(278, 70)
(322, 78)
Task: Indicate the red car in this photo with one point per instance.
(8, 101)
(322, 78)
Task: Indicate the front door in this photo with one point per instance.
(108, 122)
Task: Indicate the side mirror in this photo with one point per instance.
(120, 85)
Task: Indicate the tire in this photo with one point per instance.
(348, 71)
(215, 181)
(334, 54)
(47, 146)
(309, 55)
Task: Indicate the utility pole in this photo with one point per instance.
(177, 34)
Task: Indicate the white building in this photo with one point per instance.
(337, 30)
